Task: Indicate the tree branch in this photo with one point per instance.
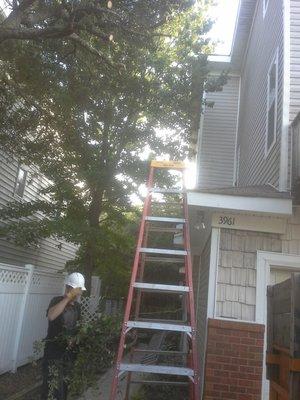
(35, 33)
(77, 39)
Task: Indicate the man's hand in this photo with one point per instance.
(73, 293)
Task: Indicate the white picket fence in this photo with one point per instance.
(25, 293)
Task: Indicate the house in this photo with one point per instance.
(22, 183)
(246, 225)
(29, 277)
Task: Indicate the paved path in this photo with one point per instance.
(101, 390)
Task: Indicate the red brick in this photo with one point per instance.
(233, 361)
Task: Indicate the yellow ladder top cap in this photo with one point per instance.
(168, 164)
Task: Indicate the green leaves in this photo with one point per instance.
(84, 122)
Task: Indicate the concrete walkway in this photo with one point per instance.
(101, 389)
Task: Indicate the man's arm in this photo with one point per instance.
(58, 308)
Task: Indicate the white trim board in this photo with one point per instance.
(265, 205)
(213, 272)
(265, 262)
(284, 150)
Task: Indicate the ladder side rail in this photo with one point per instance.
(189, 282)
(131, 288)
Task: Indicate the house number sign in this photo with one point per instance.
(258, 223)
(226, 220)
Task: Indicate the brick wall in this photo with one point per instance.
(234, 361)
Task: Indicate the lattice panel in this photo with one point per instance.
(36, 280)
(13, 277)
(90, 308)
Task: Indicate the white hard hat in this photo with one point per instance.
(76, 280)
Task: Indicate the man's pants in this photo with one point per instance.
(54, 380)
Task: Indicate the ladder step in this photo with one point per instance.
(168, 383)
(164, 321)
(171, 260)
(156, 369)
(166, 219)
(159, 326)
(165, 229)
(149, 250)
(172, 190)
(156, 287)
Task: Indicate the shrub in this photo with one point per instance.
(97, 343)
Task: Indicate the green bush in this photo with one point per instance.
(97, 343)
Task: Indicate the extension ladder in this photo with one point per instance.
(186, 327)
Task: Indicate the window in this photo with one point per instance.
(272, 104)
(20, 182)
(265, 7)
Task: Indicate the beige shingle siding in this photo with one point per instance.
(48, 255)
(265, 39)
(236, 293)
(201, 284)
(217, 147)
(295, 58)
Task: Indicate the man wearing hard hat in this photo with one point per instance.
(59, 355)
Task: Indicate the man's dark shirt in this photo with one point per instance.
(64, 326)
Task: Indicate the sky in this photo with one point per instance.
(224, 14)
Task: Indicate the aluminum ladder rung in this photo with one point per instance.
(157, 287)
(161, 352)
(164, 321)
(170, 191)
(168, 383)
(156, 369)
(166, 219)
(159, 326)
(164, 229)
(149, 250)
(169, 260)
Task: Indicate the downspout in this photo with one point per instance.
(284, 150)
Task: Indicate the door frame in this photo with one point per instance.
(264, 263)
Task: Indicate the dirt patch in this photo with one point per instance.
(26, 376)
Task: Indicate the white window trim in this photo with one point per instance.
(265, 7)
(237, 166)
(26, 169)
(265, 262)
(213, 272)
(274, 61)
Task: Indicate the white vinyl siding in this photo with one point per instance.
(295, 58)
(217, 143)
(266, 37)
(51, 252)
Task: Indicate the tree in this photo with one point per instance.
(84, 122)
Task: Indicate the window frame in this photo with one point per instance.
(273, 62)
(23, 168)
(237, 165)
(265, 7)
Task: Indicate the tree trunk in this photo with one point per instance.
(93, 219)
